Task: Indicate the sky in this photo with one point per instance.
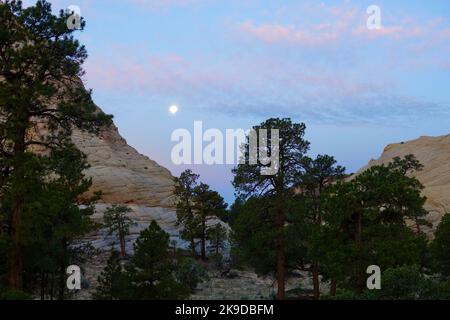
(234, 63)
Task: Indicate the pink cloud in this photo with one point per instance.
(159, 4)
(276, 33)
(394, 32)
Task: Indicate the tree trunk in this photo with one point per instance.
(316, 284)
(281, 269)
(122, 245)
(203, 240)
(333, 288)
(52, 286)
(194, 254)
(15, 265)
(42, 285)
(62, 283)
(15, 271)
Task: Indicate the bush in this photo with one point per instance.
(14, 295)
(440, 247)
(409, 283)
(190, 273)
(217, 259)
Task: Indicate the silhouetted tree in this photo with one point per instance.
(117, 222)
(250, 180)
(40, 66)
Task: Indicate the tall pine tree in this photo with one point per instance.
(249, 180)
(40, 70)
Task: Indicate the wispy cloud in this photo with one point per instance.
(276, 33)
(161, 4)
(329, 68)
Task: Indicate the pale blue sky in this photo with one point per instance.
(234, 63)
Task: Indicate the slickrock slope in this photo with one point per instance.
(129, 178)
(121, 173)
(434, 154)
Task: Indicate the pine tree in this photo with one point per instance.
(40, 70)
(113, 283)
(364, 224)
(249, 181)
(117, 222)
(54, 220)
(217, 235)
(152, 271)
(184, 191)
(207, 204)
(319, 173)
(440, 247)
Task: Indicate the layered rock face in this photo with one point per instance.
(434, 154)
(122, 174)
(126, 177)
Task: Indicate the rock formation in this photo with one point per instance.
(129, 178)
(121, 173)
(434, 154)
(126, 177)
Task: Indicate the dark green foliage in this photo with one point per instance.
(217, 236)
(151, 274)
(196, 204)
(306, 216)
(151, 271)
(207, 205)
(401, 283)
(249, 181)
(41, 62)
(440, 247)
(53, 222)
(113, 283)
(184, 191)
(40, 70)
(365, 224)
(253, 236)
(409, 283)
(190, 273)
(11, 294)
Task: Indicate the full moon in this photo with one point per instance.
(173, 109)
